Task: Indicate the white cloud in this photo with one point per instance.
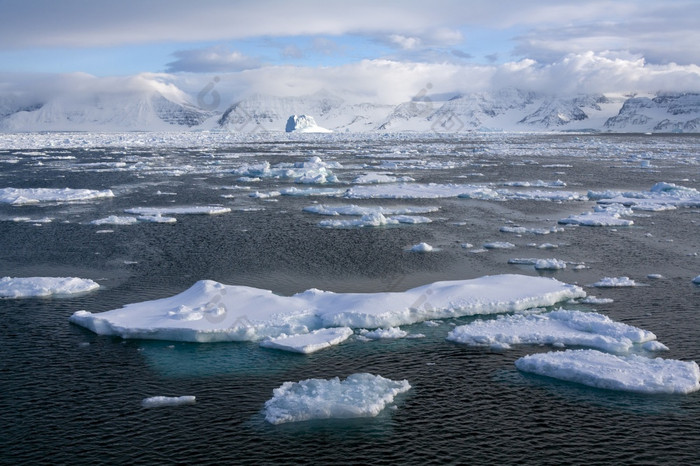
(212, 59)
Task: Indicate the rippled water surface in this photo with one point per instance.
(70, 396)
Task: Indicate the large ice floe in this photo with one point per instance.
(211, 311)
(558, 328)
(628, 373)
(359, 395)
(24, 196)
(661, 196)
(29, 287)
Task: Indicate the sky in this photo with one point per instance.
(384, 51)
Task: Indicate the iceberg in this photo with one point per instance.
(26, 196)
(304, 124)
(158, 401)
(210, 311)
(627, 373)
(311, 342)
(32, 287)
(557, 328)
(359, 395)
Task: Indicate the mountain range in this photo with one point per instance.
(503, 110)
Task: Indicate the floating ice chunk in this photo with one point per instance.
(535, 184)
(377, 178)
(660, 195)
(627, 373)
(374, 220)
(159, 401)
(421, 247)
(696, 280)
(535, 231)
(239, 313)
(25, 196)
(366, 210)
(594, 300)
(391, 333)
(597, 219)
(156, 219)
(312, 171)
(309, 342)
(27, 287)
(309, 192)
(359, 395)
(115, 220)
(419, 191)
(183, 210)
(655, 276)
(560, 327)
(614, 282)
(549, 264)
(498, 245)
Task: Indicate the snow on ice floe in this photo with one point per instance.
(374, 220)
(28, 287)
(183, 210)
(558, 328)
(359, 395)
(24, 196)
(311, 342)
(615, 282)
(115, 220)
(210, 311)
(630, 373)
(159, 401)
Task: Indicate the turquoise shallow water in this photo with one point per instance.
(69, 396)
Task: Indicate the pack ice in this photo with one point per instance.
(211, 311)
(628, 373)
(359, 395)
(27, 287)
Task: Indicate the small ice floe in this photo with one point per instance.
(377, 178)
(420, 191)
(615, 282)
(535, 184)
(374, 220)
(534, 231)
(182, 210)
(311, 342)
(115, 220)
(627, 373)
(540, 264)
(359, 395)
(661, 196)
(391, 333)
(597, 219)
(655, 276)
(30, 287)
(335, 210)
(156, 219)
(498, 245)
(696, 280)
(23, 196)
(557, 328)
(312, 171)
(159, 401)
(547, 246)
(594, 300)
(422, 247)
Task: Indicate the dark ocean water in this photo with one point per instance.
(70, 396)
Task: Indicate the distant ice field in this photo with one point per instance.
(401, 232)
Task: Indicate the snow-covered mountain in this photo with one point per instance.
(677, 112)
(155, 106)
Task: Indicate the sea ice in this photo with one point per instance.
(377, 178)
(115, 220)
(158, 401)
(210, 311)
(359, 395)
(27, 287)
(558, 328)
(373, 220)
(498, 245)
(391, 333)
(540, 264)
(614, 282)
(696, 280)
(312, 171)
(597, 219)
(421, 247)
(535, 231)
(336, 210)
(627, 373)
(183, 210)
(309, 342)
(660, 195)
(25, 196)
